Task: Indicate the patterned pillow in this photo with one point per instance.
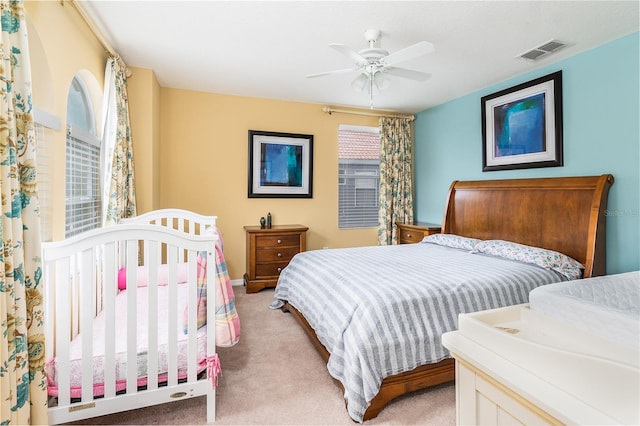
(451, 240)
(548, 259)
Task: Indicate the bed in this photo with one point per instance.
(132, 285)
(419, 297)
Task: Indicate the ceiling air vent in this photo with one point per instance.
(543, 50)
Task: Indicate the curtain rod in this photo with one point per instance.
(96, 32)
(329, 110)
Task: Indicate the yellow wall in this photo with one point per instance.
(61, 45)
(144, 112)
(191, 148)
(204, 160)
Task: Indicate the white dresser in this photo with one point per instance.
(518, 366)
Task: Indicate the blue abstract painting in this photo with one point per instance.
(519, 126)
(280, 165)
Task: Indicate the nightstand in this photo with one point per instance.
(409, 234)
(269, 251)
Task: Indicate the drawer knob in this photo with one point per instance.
(279, 241)
(279, 269)
(279, 254)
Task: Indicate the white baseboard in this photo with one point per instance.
(239, 281)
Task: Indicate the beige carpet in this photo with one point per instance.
(274, 376)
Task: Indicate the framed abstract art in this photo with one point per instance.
(522, 125)
(280, 165)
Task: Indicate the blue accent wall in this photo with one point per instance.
(601, 110)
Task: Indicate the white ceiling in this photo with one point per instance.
(266, 48)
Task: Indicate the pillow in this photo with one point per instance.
(142, 275)
(548, 259)
(451, 240)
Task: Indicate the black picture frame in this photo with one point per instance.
(280, 165)
(522, 125)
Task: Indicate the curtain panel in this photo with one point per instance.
(23, 387)
(396, 177)
(120, 194)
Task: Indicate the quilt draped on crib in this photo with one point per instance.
(226, 316)
(227, 319)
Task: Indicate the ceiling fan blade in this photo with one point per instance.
(410, 74)
(322, 74)
(346, 50)
(413, 51)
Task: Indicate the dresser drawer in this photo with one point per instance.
(274, 254)
(269, 270)
(278, 240)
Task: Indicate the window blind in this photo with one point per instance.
(83, 198)
(358, 176)
(44, 141)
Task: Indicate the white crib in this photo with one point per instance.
(90, 300)
(183, 220)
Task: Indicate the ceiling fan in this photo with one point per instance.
(375, 64)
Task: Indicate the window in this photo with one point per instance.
(83, 196)
(358, 176)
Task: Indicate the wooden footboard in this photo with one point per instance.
(393, 386)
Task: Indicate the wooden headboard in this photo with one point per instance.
(565, 214)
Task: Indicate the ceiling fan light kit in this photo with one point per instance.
(364, 80)
(374, 64)
(360, 82)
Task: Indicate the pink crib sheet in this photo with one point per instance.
(51, 369)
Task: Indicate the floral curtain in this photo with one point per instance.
(396, 192)
(120, 195)
(23, 387)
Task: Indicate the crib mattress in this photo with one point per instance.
(75, 348)
(608, 306)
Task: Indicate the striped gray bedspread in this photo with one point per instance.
(381, 310)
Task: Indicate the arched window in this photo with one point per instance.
(83, 195)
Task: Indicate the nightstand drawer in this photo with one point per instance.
(276, 254)
(269, 270)
(410, 236)
(277, 240)
(414, 233)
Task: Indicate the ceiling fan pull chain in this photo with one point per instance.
(370, 91)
